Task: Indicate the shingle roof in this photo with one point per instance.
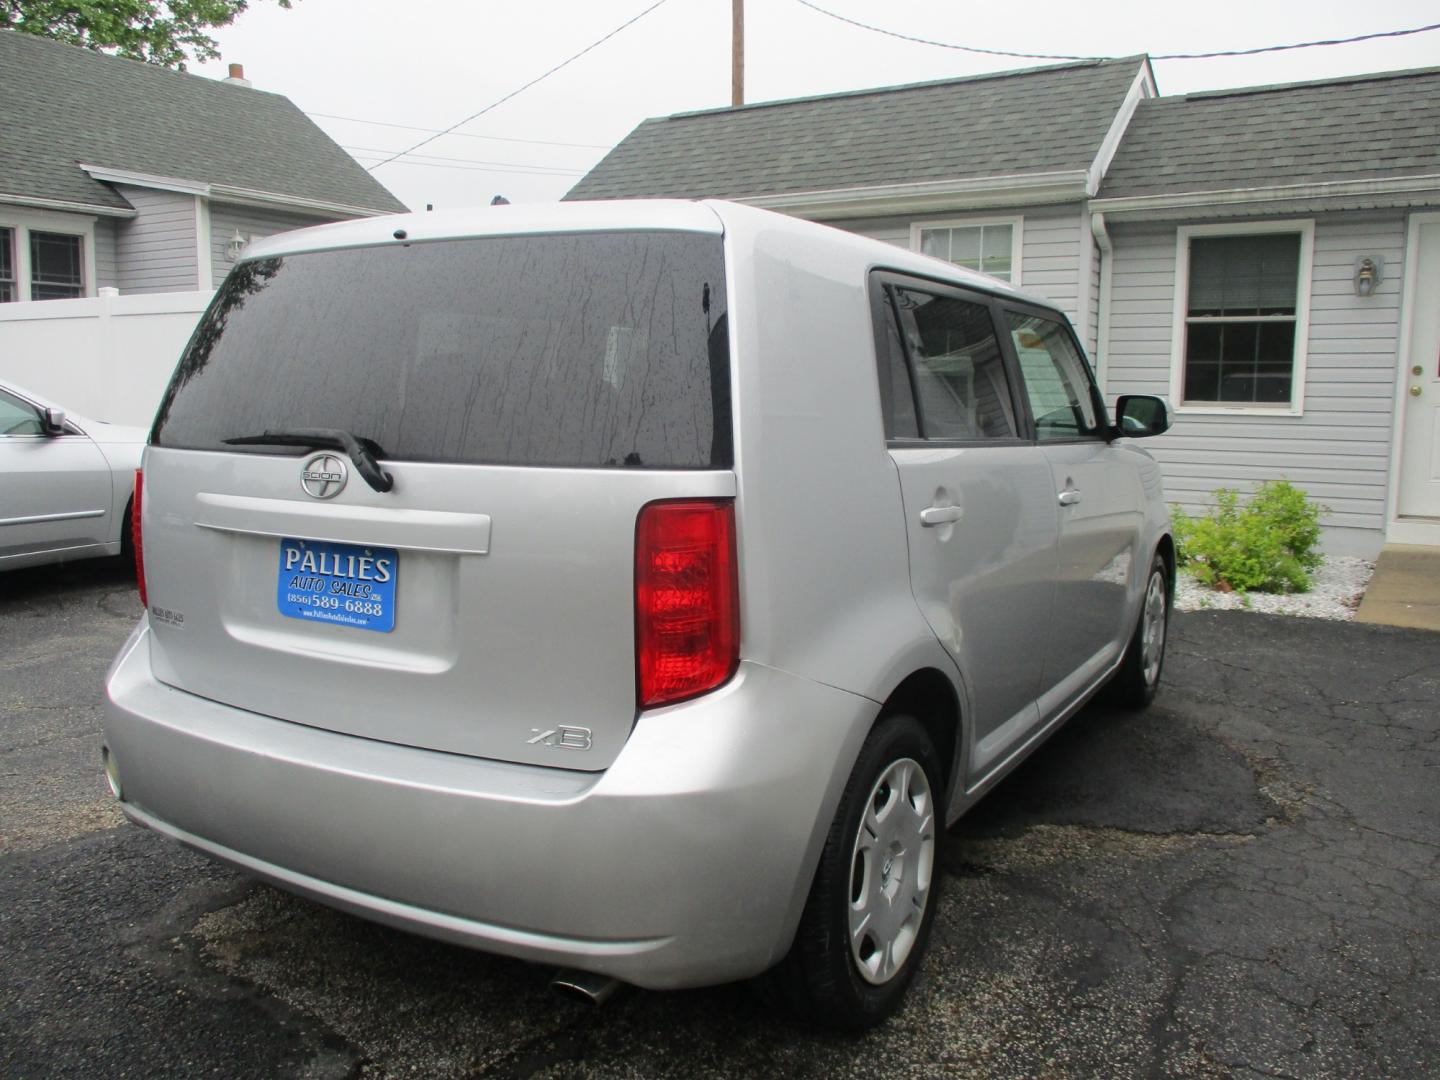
(61, 106)
(1367, 127)
(1034, 121)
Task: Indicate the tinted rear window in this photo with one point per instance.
(588, 350)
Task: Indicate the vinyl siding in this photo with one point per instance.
(1338, 450)
(106, 274)
(1050, 253)
(155, 252)
(252, 222)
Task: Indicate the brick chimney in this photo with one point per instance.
(237, 76)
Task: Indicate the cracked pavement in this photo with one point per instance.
(1242, 881)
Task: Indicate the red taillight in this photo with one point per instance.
(687, 599)
(135, 538)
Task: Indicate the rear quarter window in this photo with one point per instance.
(604, 350)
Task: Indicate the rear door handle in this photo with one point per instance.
(940, 515)
(1069, 497)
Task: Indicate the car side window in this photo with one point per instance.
(18, 417)
(897, 397)
(957, 368)
(1057, 382)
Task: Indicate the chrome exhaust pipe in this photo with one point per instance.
(585, 986)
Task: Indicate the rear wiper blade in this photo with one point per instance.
(360, 451)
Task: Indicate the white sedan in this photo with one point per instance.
(66, 482)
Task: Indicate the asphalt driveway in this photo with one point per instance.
(1243, 880)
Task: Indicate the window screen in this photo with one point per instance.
(958, 371)
(55, 272)
(1240, 318)
(987, 248)
(7, 265)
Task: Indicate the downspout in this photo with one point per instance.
(1107, 274)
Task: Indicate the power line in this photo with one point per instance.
(460, 134)
(1061, 56)
(478, 168)
(538, 169)
(564, 63)
(1302, 44)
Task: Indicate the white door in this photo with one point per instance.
(1420, 448)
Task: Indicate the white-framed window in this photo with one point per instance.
(989, 245)
(45, 256)
(1242, 314)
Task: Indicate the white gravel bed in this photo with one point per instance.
(1335, 592)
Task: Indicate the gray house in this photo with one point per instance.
(993, 172)
(1276, 275)
(120, 174)
(1267, 259)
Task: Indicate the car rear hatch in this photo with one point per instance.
(527, 396)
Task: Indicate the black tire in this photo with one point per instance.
(821, 979)
(1135, 682)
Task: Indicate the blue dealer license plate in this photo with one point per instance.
(338, 583)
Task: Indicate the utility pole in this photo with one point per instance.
(737, 52)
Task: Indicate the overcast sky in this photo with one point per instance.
(430, 63)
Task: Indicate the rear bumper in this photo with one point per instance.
(687, 862)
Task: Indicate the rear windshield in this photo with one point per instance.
(583, 350)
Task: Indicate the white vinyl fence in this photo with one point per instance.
(108, 357)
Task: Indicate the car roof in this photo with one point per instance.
(711, 216)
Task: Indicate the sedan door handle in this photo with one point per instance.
(1069, 497)
(940, 515)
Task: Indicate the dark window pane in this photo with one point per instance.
(7, 265)
(594, 350)
(1057, 380)
(897, 399)
(1244, 275)
(959, 375)
(18, 417)
(55, 267)
(1246, 363)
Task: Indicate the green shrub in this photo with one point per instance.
(1268, 545)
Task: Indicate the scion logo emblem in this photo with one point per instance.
(323, 476)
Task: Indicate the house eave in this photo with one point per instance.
(1024, 189)
(1386, 191)
(227, 193)
(91, 209)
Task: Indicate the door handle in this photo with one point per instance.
(1069, 497)
(940, 515)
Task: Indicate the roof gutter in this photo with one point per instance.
(71, 207)
(1022, 189)
(227, 193)
(1379, 188)
(1107, 285)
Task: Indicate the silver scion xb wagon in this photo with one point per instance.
(639, 588)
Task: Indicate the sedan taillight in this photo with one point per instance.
(687, 604)
(136, 540)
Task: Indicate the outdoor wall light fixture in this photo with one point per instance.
(1369, 271)
(239, 240)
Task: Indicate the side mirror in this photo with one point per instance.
(52, 422)
(1139, 415)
